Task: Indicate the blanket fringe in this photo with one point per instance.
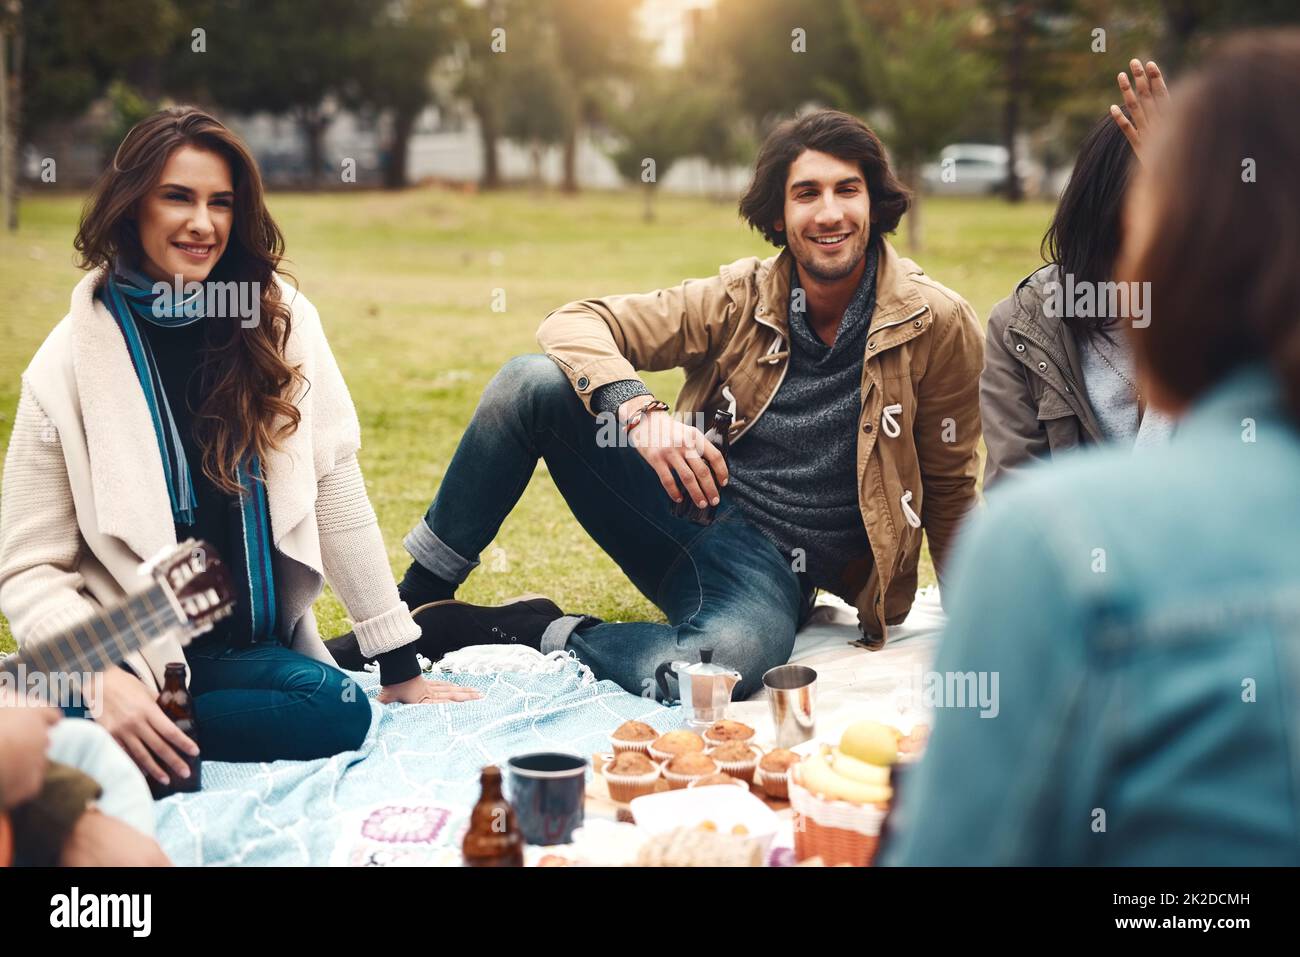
(490, 659)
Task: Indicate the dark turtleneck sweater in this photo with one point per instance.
(177, 353)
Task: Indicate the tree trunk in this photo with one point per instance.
(1015, 80)
(313, 124)
(570, 184)
(915, 234)
(395, 165)
(535, 152)
(11, 78)
(6, 154)
(915, 230)
(1182, 20)
(488, 137)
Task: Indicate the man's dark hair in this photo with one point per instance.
(837, 134)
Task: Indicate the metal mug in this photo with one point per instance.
(547, 790)
(792, 697)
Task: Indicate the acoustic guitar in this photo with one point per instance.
(192, 591)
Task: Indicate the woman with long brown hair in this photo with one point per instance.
(190, 393)
(1139, 612)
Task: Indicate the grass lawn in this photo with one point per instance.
(405, 283)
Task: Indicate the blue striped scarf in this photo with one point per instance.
(129, 297)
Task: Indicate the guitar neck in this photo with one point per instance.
(103, 639)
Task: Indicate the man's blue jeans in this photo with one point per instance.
(722, 586)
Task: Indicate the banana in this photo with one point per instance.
(871, 742)
(819, 777)
(857, 770)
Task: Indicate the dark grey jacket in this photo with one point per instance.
(1032, 399)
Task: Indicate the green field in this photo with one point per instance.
(405, 282)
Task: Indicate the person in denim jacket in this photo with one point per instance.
(1143, 613)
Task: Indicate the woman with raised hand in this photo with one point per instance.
(1140, 612)
(190, 393)
(1058, 369)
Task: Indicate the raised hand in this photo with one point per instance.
(1147, 99)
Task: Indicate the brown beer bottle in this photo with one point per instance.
(493, 838)
(176, 703)
(720, 435)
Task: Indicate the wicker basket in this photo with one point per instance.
(836, 831)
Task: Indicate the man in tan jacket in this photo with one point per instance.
(852, 378)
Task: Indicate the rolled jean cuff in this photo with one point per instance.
(436, 555)
(557, 633)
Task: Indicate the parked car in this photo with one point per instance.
(976, 169)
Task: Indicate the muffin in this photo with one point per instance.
(668, 746)
(629, 775)
(719, 778)
(681, 770)
(737, 759)
(725, 732)
(633, 736)
(773, 774)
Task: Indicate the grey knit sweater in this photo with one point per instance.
(794, 473)
(1110, 376)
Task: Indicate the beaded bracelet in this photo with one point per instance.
(655, 405)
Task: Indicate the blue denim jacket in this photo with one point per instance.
(1143, 615)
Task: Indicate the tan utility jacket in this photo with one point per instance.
(920, 423)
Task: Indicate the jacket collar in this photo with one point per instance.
(126, 470)
(896, 294)
(1055, 337)
(1051, 332)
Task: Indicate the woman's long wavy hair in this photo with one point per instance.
(249, 388)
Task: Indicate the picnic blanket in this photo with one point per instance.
(404, 797)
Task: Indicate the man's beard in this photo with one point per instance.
(811, 266)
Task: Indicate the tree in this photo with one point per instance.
(594, 47)
(781, 51)
(11, 36)
(920, 65)
(724, 132)
(482, 41)
(73, 49)
(1187, 23)
(661, 124)
(63, 54)
(537, 111)
(390, 64)
(1042, 48)
(272, 55)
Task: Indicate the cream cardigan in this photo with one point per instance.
(84, 500)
